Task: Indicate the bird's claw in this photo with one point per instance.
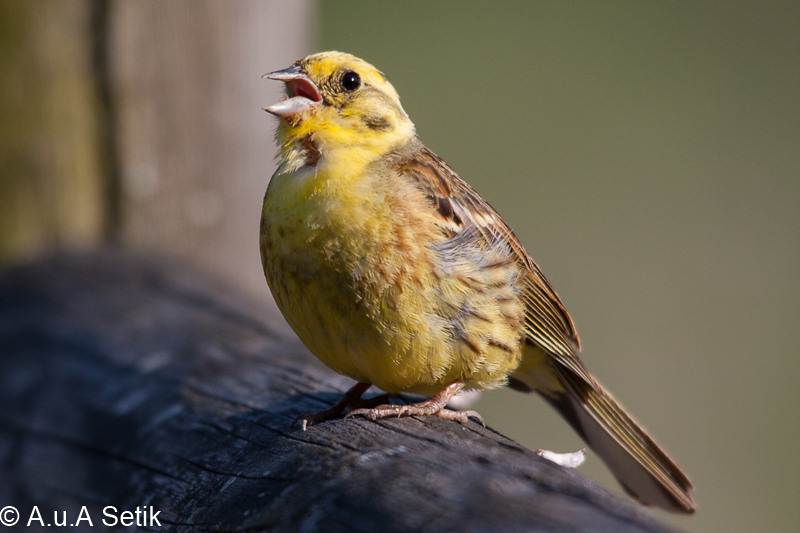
(417, 409)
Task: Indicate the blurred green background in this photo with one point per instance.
(648, 157)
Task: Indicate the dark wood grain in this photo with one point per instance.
(125, 382)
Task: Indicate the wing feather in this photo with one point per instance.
(547, 323)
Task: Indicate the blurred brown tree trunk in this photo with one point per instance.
(141, 122)
(51, 188)
(196, 150)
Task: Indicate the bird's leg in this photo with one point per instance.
(351, 400)
(434, 406)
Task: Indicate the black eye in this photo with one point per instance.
(350, 81)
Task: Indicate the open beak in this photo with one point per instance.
(303, 93)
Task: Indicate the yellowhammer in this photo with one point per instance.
(394, 272)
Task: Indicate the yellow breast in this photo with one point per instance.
(377, 291)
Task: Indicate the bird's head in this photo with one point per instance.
(335, 100)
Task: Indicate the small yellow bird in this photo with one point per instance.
(394, 272)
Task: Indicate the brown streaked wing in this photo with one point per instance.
(548, 325)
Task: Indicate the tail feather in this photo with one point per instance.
(639, 464)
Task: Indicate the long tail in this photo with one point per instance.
(638, 463)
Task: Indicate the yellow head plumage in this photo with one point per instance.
(338, 101)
